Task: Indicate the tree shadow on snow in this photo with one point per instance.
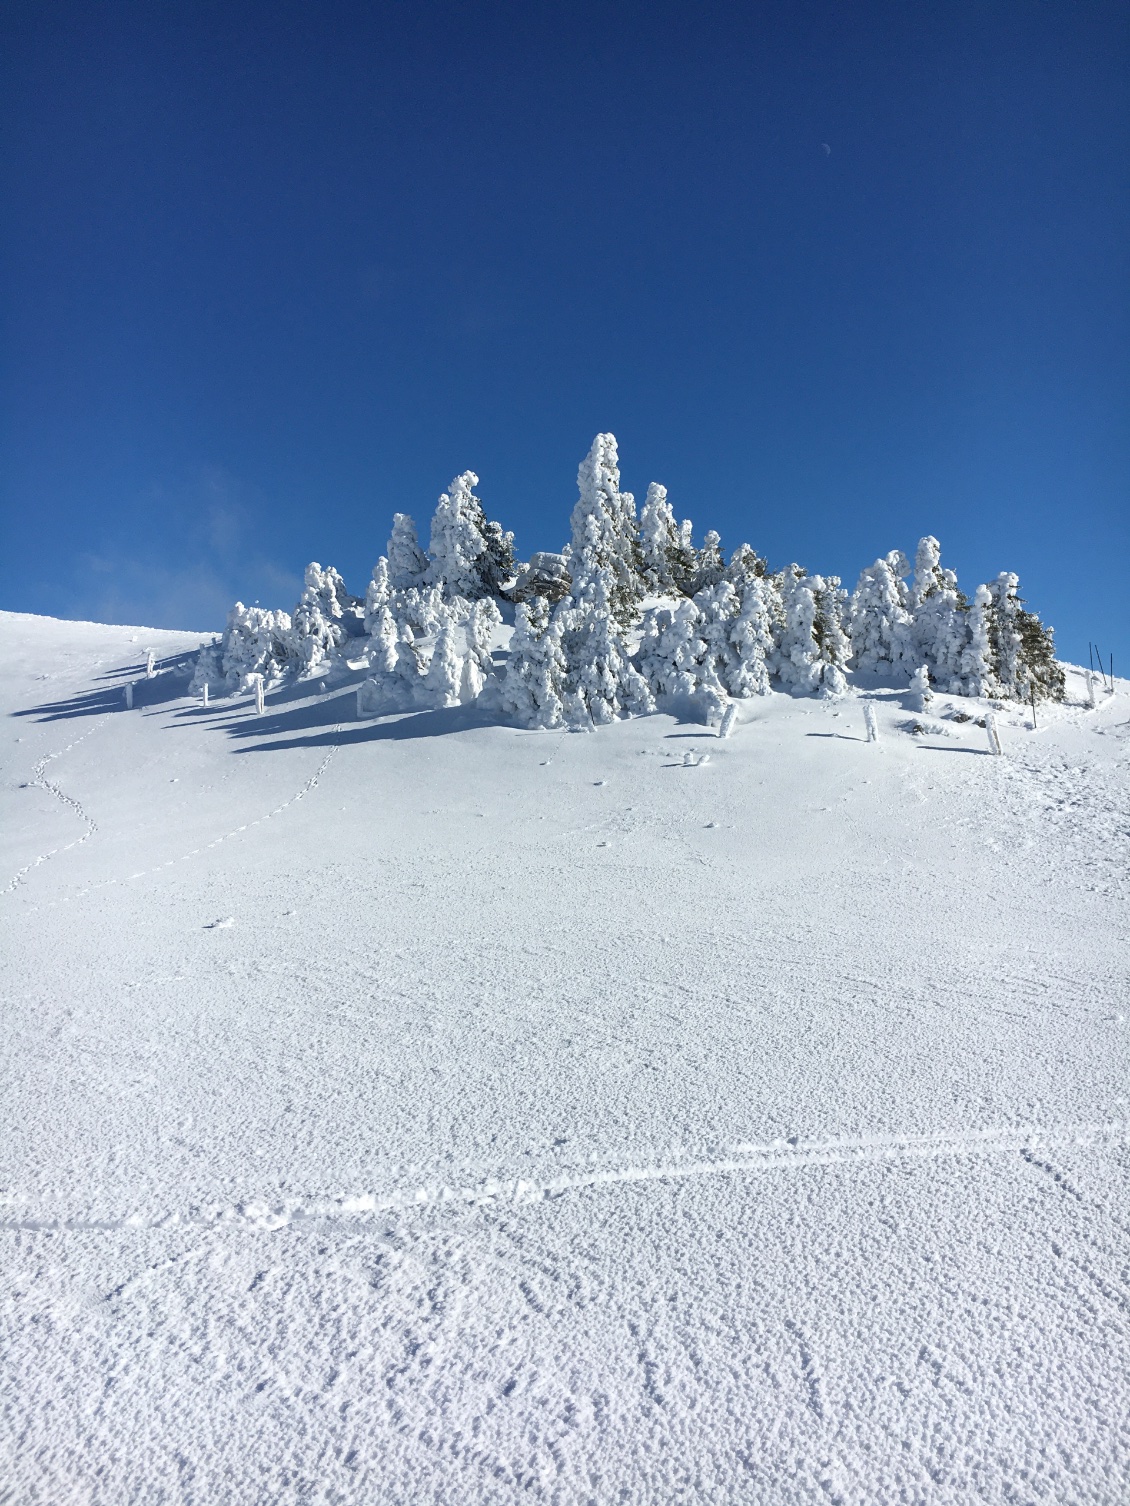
(168, 684)
(396, 727)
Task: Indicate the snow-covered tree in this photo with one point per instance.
(601, 682)
(444, 676)
(878, 620)
(1041, 675)
(659, 540)
(920, 693)
(811, 648)
(534, 686)
(832, 641)
(255, 642)
(939, 627)
(745, 565)
(470, 555)
(1004, 632)
(407, 562)
(684, 559)
(711, 566)
(605, 534)
(325, 616)
(384, 639)
(378, 593)
(751, 634)
(978, 674)
(718, 607)
(672, 649)
(1021, 648)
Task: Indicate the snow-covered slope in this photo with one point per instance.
(425, 1110)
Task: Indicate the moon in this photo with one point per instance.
(827, 149)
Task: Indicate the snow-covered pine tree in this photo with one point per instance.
(832, 641)
(920, 693)
(711, 566)
(423, 610)
(811, 648)
(1021, 648)
(325, 615)
(745, 565)
(407, 562)
(878, 621)
(384, 639)
(1041, 675)
(658, 541)
(479, 627)
(605, 534)
(470, 555)
(601, 682)
(497, 564)
(718, 607)
(445, 671)
(1004, 633)
(978, 675)
(378, 593)
(751, 634)
(457, 541)
(684, 560)
(939, 628)
(255, 642)
(534, 684)
(672, 649)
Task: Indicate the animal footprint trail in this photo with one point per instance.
(310, 785)
(40, 781)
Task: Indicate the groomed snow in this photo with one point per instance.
(423, 1110)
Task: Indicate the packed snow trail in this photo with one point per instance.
(775, 1151)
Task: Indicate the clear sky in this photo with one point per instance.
(838, 274)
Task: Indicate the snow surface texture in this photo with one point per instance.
(422, 1110)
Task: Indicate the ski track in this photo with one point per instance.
(40, 781)
(516, 1191)
(310, 785)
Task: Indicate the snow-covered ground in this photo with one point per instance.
(421, 1110)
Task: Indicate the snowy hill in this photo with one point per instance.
(420, 1108)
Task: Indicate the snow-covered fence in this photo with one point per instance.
(259, 700)
(150, 664)
(871, 722)
(994, 734)
(1091, 702)
(205, 693)
(129, 696)
(729, 721)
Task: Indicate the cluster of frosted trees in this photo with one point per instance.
(647, 619)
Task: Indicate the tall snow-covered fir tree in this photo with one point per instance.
(811, 651)
(751, 634)
(325, 616)
(659, 539)
(470, 555)
(605, 533)
(1021, 648)
(601, 681)
(978, 675)
(684, 559)
(938, 610)
(407, 562)
(878, 620)
(534, 686)
(711, 565)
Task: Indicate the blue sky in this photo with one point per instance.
(838, 275)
